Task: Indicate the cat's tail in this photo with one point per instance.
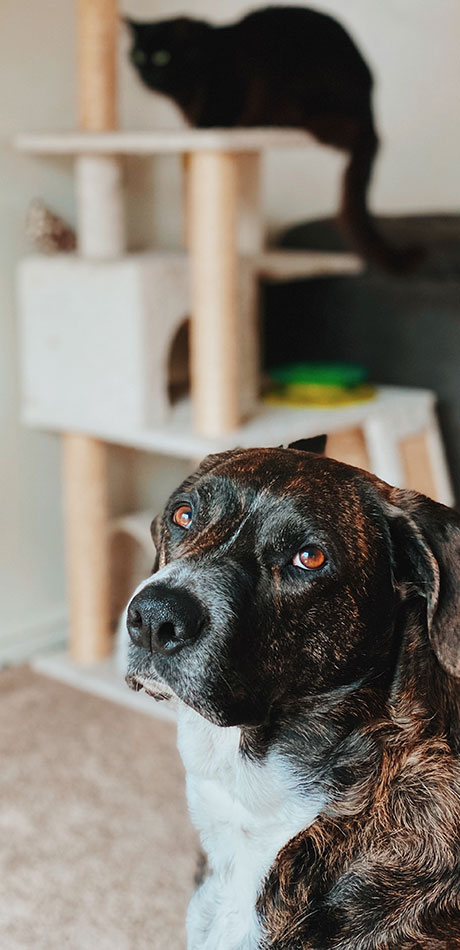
(355, 220)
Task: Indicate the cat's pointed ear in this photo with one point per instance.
(426, 553)
(190, 33)
(316, 445)
(130, 24)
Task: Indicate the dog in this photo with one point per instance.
(306, 616)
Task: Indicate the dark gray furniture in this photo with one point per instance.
(406, 331)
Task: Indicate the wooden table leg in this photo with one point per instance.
(349, 446)
(213, 184)
(425, 465)
(383, 449)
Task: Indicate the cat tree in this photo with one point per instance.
(98, 327)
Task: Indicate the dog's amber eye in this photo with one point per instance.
(183, 516)
(310, 559)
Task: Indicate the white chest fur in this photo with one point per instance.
(245, 812)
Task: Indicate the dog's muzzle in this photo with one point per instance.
(164, 619)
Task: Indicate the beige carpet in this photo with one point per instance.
(96, 850)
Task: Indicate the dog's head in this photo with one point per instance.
(279, 576)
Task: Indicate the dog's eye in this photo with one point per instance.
(183, 516)
(310, 558)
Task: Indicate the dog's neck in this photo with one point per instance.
(246, 810)
(336, 741)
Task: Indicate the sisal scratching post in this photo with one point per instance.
(100, 211)
(251, 226)
(251, 240)
(86, 518)
(97, 25)
(213, 196)
(100, 236)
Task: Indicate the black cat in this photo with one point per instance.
(279, 66)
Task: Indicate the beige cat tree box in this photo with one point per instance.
(102, 335)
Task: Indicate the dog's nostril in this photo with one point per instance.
(135, 619)
(136, 627)
(166, 634)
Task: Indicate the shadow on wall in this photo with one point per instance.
(406, 332)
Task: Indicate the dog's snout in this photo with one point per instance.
(163, 620)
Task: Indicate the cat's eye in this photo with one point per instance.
(311, 558)
(161, 57)
(183, 516)
(138, 57)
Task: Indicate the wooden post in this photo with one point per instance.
(86, 519)
(250, 225)
(86, 508)
(214, 270)
(250, 239)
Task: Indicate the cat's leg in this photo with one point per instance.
(354, 217)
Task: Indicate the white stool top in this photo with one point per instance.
(405, 411)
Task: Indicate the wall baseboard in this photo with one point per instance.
(45, 631)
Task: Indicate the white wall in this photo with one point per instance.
(31, 576)
(413, 47)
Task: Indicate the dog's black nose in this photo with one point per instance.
(162, 619)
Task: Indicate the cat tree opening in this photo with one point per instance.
(179, 364)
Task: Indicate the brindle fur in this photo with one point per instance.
(351, 675)
(381, 869)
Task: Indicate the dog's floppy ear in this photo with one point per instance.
(317, 445)
(155, 531)
(426, 546)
